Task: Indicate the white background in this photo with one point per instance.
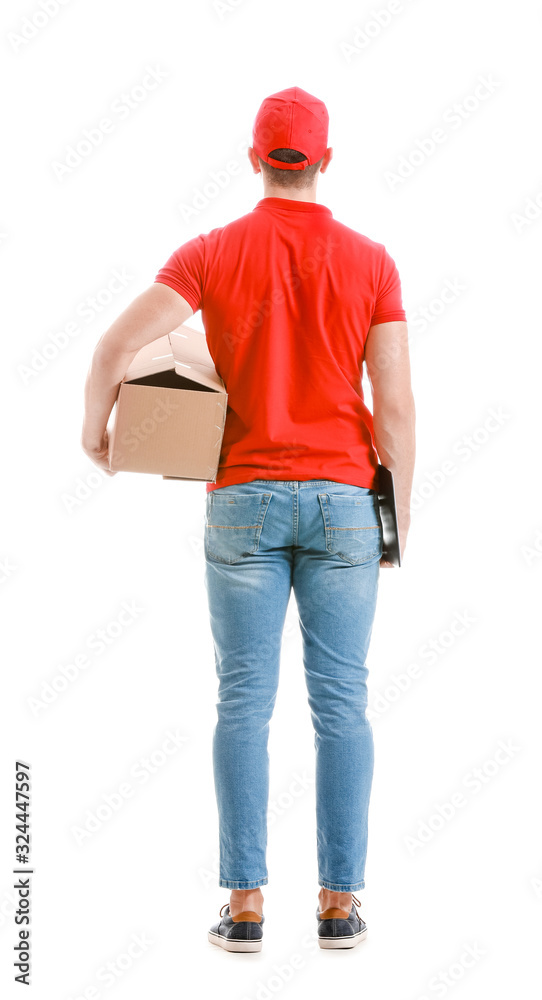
(460, 217)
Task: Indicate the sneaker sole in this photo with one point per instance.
(232, 945)
(348, 941)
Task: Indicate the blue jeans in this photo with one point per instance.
(324, 539)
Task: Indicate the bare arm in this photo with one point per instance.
(394, 415)
(156, 311)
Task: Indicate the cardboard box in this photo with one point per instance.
(170, 411)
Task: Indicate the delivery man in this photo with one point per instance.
(292, 301)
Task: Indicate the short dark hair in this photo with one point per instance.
(289, 178)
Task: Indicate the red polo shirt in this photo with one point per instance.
(287, 295)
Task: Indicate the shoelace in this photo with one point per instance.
(357, 902)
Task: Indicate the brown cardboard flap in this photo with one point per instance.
(199, 373)
(192, 357)
(184, 351)
(154, 357)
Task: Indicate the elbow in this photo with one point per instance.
(108, 354)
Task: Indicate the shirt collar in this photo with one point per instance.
(290, 204)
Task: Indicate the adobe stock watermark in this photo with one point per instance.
(531, 553)
(293, 452)
(279, 975)
(225, 7)
(278, 807)
(110, 972)
(83, 489)
(464, 448)
(421, 318)
(259, 310)
(371, 29)
(129, 440)
(87, 310)
(531, 212)
(96, 644)
(32, 24)
(428, 654)
(218, 181)
(445, 979)
(8, 905)
(473, 781)
(283, 802)
(140, 772)
(121, 108)
(7, 569)
(453, 118)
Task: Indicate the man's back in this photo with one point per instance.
(292, 302)
(287, 295)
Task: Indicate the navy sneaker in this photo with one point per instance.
(241, 933)
(340, 929)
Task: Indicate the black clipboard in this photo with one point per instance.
(391, 551)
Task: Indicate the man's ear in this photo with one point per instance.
(328, 156)
(255, 163)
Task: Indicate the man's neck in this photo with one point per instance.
(302, 194)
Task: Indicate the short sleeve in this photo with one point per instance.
(389, 303)
(184, 271)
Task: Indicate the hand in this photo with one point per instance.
(99, 453)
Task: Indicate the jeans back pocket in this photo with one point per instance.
(233, 524)
(353, 526)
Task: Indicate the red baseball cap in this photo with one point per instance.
(291, 119)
